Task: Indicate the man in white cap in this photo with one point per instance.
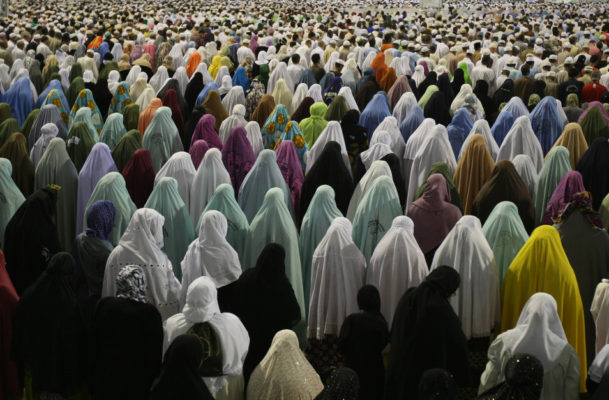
(344, 50)
(563, 75)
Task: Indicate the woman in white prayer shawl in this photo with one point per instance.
(202, 68)
(254, 137)
(280, 72)
(315, 93)
(141, 245)
(419, 75)
(378, 168)
(403, 107)
(138, 88)
(539, 333)
(337, 273)
(234, 97)
(133, 74)
(145, 97)
(331, 133)
(222, 72)
(47, 133)
(527, 171)
(180, 167)
(334, 57)
(481, 127)
(434, 148)
(210, 174)
(113, 80)
(158, 79)
(467, 99)
(521, 139)
(225, 85)
(210, 255)
(182, 77)
(599, 367)
(396, 265)
(348, 95)
(600, 313)
(223, 336)
(477, 301)
(414, 143)
(282, 94)
(235, 119)
(299, 94)
(516, 107)
(390, 124)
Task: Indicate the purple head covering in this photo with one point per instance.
(136, 53)
(570, 184)
(425, 67)
(291, 169)
(205, 131)
(98, 163)
(254, 43)
(100, 219)
(238, 156)
(197, 152)
(594, 104)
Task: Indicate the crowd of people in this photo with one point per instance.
(271, 200)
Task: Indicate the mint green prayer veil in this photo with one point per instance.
(274, 224)
(506, 235)
(10, 196)
(177, 231)
(161, 138)
(112, 187)
(375, 214)
(554, 168)
(113, 130)
(320, 214)
(223, 200)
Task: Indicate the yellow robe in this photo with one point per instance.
(542, 266)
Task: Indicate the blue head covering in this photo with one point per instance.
(20, 98)
(100, 219)
(411, 122)
(203, 94)
(307, 77)
(502, 126)
(58, 99)
(293, 133)
(368, 74)
(547, 123)
(458, 129)
(55, 84)
(84, 115)
(113, 131)
(104, 48)
(121, 98)
(240, 79)
(374, 113)
(274, 126)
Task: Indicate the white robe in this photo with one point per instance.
(331, 133)
(210, 174)
(180, 167)
(521, 139)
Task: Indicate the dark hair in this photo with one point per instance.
(295, 58)
(315, 58)
(525, 69)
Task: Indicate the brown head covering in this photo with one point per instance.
(505, 185)
(263, 110)
(433, 214)
(143, 61)
(573, 139)
(148, 113)
(15, 150)
(213, 105)
(399, 87)
(473, 170)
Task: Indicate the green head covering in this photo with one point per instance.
(161, 138)
(75, 88)
(442, 168)
(5, 112)
(75, 72)
(463, 66)
(29, 121)
(337, 110)
(553, 170)
(263, 74)
(594, 125)
(505, 234)
(113, 130)
(50, 74)
(126, 147)
(375, 214)
(131, 115)
(313, 126)
(427, 95)
(80, 144)
(111, 66)
(604, 210)
(178, 230)
(318, 218)
(112, 188)
(7, 128)
(572, 100)
(11, 197)
(534, 99)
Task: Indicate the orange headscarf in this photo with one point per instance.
(193, 63)
(388, 80)
(95, 43)
(380, 68)
(147, 115)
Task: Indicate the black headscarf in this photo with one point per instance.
(329, 169)
(265, 287)
(504, 93)
(173, 83)
(31, 238)
(356, 139)
(191, 123)
(523, 380)
(193, 88)
(430, 79)
(361, 341)
(343, 384)
(438, 109)
(180, 378)
(102, 96)
(49, 334)
(303, 111)
(505, 184)
(446, 88)
(594, 167)
(437, 384)
(366, 93)
(396, 171)
(426, 333)
(489, 105)
(458, 80)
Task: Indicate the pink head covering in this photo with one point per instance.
(205, 131)
(238, 156)
(197, 152)
(570, 184)
(433, 214)
(291, 169)
(150, 49)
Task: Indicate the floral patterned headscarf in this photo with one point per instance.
(121, 98)
(293, 133)
(275, 126)
(85, 99)
(131, 284)
(581, 202)
(55, 97)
